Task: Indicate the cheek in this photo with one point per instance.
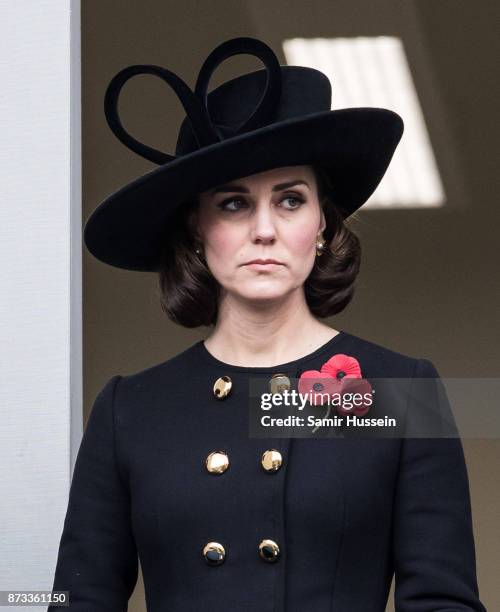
(300, 239)
(223, 245)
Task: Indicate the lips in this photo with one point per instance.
(263, 262)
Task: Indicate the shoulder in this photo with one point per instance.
(176, 369)
(379, 360)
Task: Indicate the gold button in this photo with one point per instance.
(279, 383)
(217, 462)
(271, 460)
(214, 553)
(269, 551)
(222, 387)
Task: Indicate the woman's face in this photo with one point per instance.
(270, 215)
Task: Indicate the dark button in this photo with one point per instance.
(269, 551)
(222, 387)
(214, 553)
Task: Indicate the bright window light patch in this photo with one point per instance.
(373, 71)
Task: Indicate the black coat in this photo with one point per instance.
(346, 514)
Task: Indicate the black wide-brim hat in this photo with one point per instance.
(278, 116)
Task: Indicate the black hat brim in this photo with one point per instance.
(355, 146)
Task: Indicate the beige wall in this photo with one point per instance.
(429, 280)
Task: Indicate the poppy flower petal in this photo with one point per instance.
(319, 385)
(342, 364)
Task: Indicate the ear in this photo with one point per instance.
(323, 222)
(194, 226)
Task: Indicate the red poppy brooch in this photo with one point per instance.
(338, 376)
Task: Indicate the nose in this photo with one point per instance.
(263, 229)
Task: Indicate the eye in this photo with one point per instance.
(225, 205)
(297, 202)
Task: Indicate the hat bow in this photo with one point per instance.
(205, 131)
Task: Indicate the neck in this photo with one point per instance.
(265, 334)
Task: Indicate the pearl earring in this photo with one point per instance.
(320, 247)
(198, 250)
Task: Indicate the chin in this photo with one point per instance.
(264, 291)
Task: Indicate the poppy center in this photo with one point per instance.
(340, 374)
(318, 386)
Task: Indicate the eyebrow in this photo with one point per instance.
(240, 189)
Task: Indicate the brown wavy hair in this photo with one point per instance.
(189, 293)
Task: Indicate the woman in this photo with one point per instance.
(167, 470)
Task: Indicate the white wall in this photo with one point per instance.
(40, 282)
